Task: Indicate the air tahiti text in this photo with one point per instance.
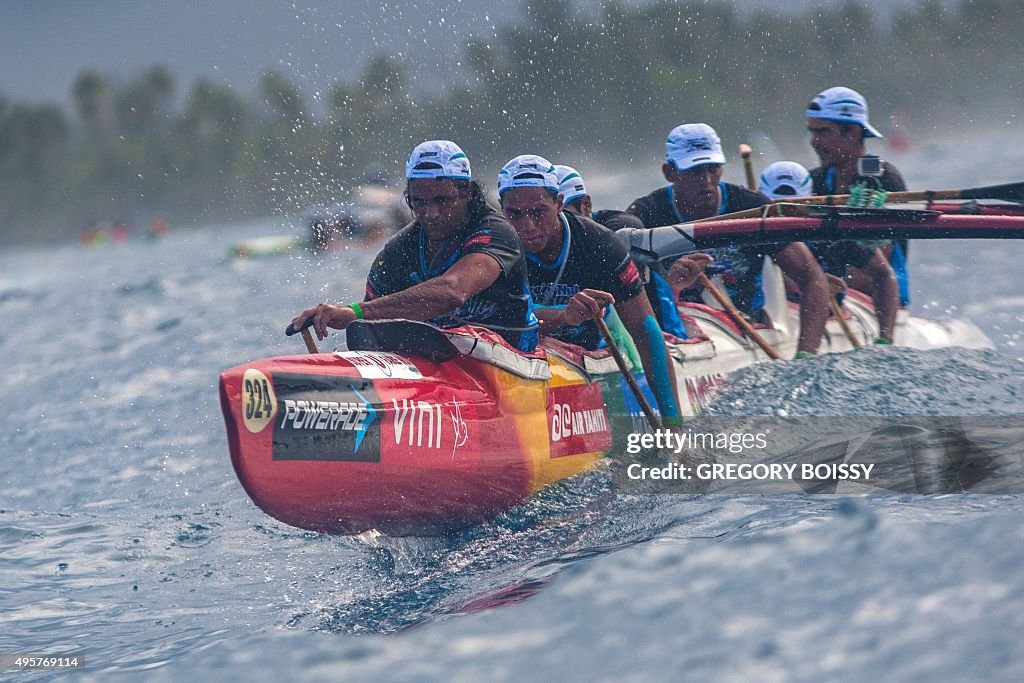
(577, 421)
(566, 422)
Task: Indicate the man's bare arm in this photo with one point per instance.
(467, 277)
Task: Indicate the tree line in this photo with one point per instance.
(581, 85)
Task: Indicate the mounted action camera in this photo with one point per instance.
(870, 166)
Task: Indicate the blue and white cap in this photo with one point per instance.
(438, 159)
(527, 170)
(843, 105)
(570, 184)
(693, 144)
(785, 179)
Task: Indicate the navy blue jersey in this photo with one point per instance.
(824, 181)
(504, 307)
(740, 266)
(591, 258)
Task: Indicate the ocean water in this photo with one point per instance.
(126, 539)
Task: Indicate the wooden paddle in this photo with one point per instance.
(306, 336)
(732, 311)
(738, 317)
(833, 304)
(1011, 192)
(838, 314)
(748, 165)
(652, 418)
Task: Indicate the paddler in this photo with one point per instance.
(693, 167)
(837, 119)
(577, 267)
(458, 262)
(784, 179)
(577, 200)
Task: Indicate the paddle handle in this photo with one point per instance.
(748, 165)
(304, 331)
(738, 318)
(652, 418)
(292, 330)
(308, 338)
(837, 313)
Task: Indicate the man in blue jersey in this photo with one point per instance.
(837, 119)
(458, 262)
(576, 267)
(693, 167)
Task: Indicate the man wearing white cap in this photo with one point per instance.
(458, 262)
(789, 179)
(784, 179)
(576, 267)
(693, 168)
(576, 199)
(837, 119)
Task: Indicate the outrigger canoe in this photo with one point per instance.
(418, 431)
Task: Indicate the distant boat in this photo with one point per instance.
(377, 212)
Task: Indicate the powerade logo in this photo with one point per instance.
(330, 415)
(326, 418)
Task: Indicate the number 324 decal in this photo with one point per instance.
(259, 405)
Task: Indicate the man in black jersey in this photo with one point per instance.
(576, 267)
(693, 168)
(459, 261)
(837, 120)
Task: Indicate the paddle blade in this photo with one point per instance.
(1011, 192)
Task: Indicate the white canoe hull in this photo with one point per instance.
(700, 366)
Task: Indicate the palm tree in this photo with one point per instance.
(92, 97)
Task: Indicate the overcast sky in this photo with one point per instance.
(45, 43)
